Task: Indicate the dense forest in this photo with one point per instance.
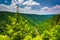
(19, 26)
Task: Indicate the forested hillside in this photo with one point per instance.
(18, 26)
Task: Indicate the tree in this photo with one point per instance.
(17, 8)
(4, 37)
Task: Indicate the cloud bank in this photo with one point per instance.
(28, 7)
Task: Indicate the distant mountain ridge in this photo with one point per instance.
(31, 17)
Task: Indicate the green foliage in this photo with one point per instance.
(28, 37)
(53, 34)
(22, 27)
(4, 37)
(37, 38)
(16, 27)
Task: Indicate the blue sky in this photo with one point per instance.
(49, 3)
(32, 6)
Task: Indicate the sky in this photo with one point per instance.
(40, 7)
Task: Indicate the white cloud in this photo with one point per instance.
(21, 1)
(7, 8)
(31, 3)
(27, 8)
(13, 4)
(43, 11)
(26, 3)
(52, 10)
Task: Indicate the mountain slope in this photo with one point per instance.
(49, 23)
(32, 18)
(18, 25)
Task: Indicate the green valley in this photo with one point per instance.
(19, 26)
